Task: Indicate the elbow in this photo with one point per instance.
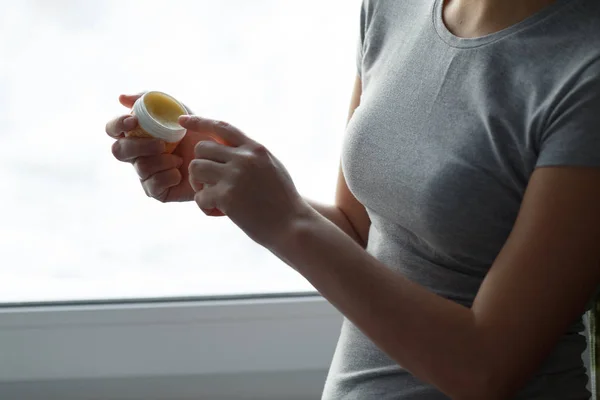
(487, 372)
(482, 384)
(472, 393)
(362, 242)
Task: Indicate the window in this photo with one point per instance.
(104, 291)
(75, 223)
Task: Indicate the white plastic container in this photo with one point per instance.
(158, 115)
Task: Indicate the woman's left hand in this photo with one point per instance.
(244, 181)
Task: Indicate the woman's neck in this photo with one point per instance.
(475, 18)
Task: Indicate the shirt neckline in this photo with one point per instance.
(459, 42)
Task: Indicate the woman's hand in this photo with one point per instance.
(163, 176)
(244, 181)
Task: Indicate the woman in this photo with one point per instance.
(463, 245)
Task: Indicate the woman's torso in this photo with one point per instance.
(440, 152)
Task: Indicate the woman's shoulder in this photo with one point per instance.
(576, 43)
(389, 8)
(386, 15)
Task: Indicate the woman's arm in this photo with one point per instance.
(347, 213)
(537, 287)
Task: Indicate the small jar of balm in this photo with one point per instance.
(157, 114)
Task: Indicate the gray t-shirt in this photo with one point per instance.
(440, 152)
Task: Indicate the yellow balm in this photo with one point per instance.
(158, 115)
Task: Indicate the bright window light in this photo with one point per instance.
(75, 223)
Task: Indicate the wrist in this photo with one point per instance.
(289, 239)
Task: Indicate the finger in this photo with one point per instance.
(159, 183)
(231, 135)
(128, 99)
(228, 134)
(215, 212)
(209, 150)
(205, 171)
(128, 149)
(206, 199)
(148, 166)
(117, 127)
(196, 186)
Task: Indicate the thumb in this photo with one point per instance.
(196, 124)
(201, 125)
(127, 100)
(226, 134)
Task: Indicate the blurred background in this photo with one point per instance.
(75, 223)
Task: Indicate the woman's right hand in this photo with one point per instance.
(163, 176)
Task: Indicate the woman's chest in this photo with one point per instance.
(441, 149)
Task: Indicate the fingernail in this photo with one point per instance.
(129, 123)
(184, 119)
(179, 162)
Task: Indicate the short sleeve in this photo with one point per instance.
(361, 39)
(572, 136)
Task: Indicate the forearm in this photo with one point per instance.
(433, 338)
(335, 215)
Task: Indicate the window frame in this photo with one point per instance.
(74, 348)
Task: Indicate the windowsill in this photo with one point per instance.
(192, 347)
